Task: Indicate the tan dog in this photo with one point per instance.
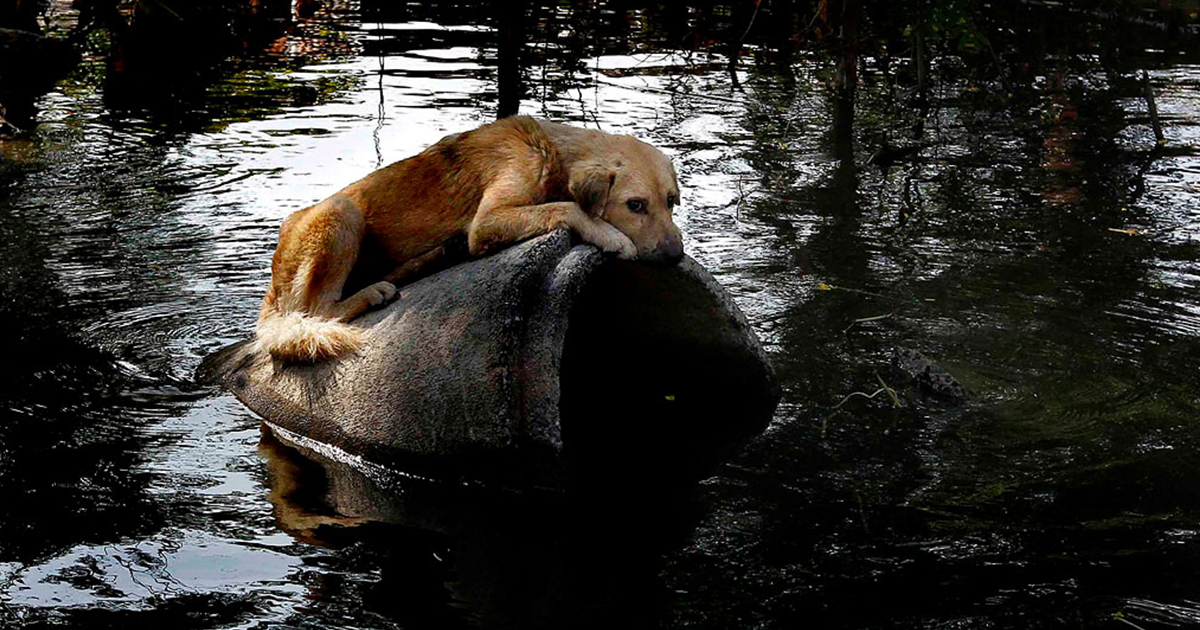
(495, 185)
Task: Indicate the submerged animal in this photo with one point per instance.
(495, 185)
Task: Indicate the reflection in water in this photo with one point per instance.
(469, 556)
(1035, 246)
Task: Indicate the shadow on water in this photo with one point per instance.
(1023, 233)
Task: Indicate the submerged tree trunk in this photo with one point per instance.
(845, 16)
(508, 75)
(735, 45)
(1152, 109)
(921, 63)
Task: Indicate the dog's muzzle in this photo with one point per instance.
(668, 252)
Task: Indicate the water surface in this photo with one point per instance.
(1046, 260)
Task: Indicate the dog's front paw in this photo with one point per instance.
(627, 250)
(610, 240)
(380, 293)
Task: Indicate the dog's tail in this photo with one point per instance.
(301, 338)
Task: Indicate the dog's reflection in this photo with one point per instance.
(297, 492)
(453, 556)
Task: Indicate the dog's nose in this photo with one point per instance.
(668, 252)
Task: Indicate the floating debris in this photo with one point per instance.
(931, 378)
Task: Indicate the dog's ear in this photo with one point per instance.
(590, 184)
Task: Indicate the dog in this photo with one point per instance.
(495, 185)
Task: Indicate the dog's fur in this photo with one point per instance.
(495, 185)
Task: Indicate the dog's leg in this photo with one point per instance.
(330, 247)
(495, 226)
(303, 315)
(357, 304)
(434, 260)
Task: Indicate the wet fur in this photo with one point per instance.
(495, 185)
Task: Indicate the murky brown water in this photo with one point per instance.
(1045, 259)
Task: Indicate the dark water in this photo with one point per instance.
(1036, 249)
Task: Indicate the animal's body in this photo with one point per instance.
(495, 186)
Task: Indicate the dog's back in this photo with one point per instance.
(425, 200)
(407, 211)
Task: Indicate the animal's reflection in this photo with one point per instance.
(452, 556)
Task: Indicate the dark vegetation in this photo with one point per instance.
(160, 55)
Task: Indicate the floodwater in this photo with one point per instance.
(1036, 251)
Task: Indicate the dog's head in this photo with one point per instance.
(634, 188)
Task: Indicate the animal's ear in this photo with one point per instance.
(590, 184)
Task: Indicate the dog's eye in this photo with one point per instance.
(671, 201)
(637, 206)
